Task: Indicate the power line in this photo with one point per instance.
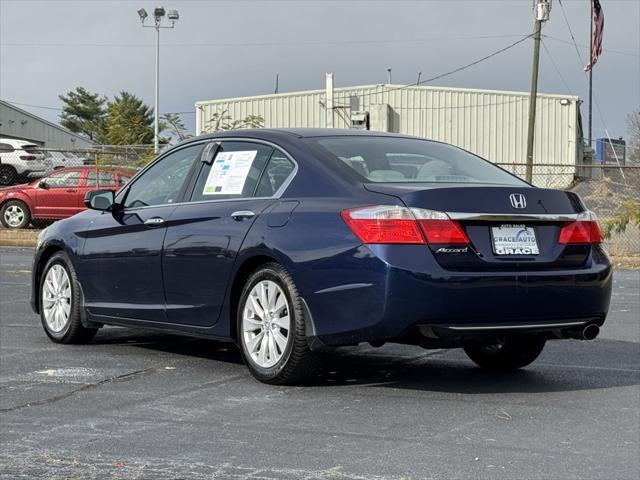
(261, 43)
(451, 72)
(58, 109)
(608, 50)
(555, 66)
(32, 106)
(595, 98)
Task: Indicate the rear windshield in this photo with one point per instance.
(31, 148)
(394, 159)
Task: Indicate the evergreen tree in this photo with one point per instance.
(129, 121)
(83, 112)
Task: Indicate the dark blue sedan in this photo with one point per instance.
(289, 242)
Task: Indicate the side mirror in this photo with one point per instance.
(99, 200)
(43, 184)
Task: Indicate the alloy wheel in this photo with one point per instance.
(56, 298)
(266, 324)
(14, 216)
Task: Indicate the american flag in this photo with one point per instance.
(598, 28)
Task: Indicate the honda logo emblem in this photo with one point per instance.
(517, 200)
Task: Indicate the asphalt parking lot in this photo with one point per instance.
(138, 404)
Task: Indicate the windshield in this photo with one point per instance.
(396, 159)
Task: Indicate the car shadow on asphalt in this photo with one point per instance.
(584, 366)
(563, 366)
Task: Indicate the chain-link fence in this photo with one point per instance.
(40, 185)
(611, 191)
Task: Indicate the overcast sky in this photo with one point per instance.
(234, 48)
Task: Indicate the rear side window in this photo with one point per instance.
(31, 148)
(234, 172)
(275, 174)
(397, 159)
(105, 179)
(6, 148)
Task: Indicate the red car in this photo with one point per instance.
(58, 195)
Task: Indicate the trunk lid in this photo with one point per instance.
(493, 216)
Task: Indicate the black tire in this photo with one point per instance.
(15, 207)
(297, 364)
(8, 175)
(511, 354)
(73, 331)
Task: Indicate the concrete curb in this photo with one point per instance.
(18, 238)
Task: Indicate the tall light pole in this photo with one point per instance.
(543, 7)
(158, 15)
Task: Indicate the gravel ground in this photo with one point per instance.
(137, 404)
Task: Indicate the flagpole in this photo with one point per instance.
(591, 76)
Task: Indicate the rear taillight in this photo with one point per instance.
(27, 157)
(394, 224)
(584, 230)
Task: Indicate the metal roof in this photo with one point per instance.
(46, 122)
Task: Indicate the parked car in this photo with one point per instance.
(21, 160)
(289, 242)
(61, 159)
(58, 195)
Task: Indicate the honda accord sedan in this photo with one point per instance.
(291, 242)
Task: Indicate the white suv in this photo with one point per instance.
(21, 160)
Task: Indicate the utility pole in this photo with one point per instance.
(591, 79)
(389, 75)
(543, 7)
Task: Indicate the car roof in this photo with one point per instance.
(16, 142)
(288, 133)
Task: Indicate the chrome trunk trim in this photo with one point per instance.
(514, 217)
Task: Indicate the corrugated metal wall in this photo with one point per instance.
(492, 124)
(16, 123)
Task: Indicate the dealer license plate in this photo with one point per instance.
(514, 240)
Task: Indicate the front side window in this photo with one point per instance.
(233, 173)
(63, 179)
(162, 182)
(396, 159)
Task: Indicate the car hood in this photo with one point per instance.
(17, 188)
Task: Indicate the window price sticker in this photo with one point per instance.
(229, 173)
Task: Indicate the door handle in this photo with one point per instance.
(242, 215)
(154, 222)
(72, 190)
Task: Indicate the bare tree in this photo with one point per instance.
(223, 121)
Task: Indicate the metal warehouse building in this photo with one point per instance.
(22, 125)
(492, 124)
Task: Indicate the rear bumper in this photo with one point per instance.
(394, 294)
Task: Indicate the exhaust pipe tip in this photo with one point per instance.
(590, 332)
